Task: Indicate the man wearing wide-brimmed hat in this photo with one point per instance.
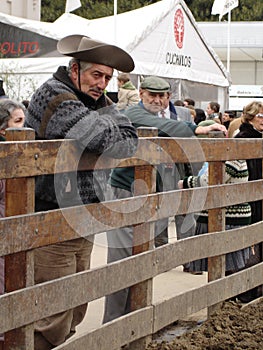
(72, 105)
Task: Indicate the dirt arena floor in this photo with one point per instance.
(234, 327)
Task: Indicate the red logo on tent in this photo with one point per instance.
(179, 28)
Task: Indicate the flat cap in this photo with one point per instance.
(155, 84)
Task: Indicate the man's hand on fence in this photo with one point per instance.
(204, 130)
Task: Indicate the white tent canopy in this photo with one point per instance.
(163, 40)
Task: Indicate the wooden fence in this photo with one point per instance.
(23, 158)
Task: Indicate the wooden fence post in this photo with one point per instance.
(143, 236)
(19, 267)
(216, 222)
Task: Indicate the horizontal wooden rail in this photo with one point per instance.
(32, 158)
(125, 329)
(30, 231)
(117, 333)
(27, 305)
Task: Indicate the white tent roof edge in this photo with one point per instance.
(152, 16)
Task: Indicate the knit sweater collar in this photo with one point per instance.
(62, 75)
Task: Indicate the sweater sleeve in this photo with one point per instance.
(105, 131)
(166, 127)
(197, 181)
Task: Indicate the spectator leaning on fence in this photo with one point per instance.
(11, 116)
(153, 92)
(252, 127)
(236, 215)
(72, 105)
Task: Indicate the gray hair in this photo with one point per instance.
(83, 65)
(6, 109)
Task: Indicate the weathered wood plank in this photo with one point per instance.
(34, 230)
(194, 300)
(116, 333)
(216, 222)
(28, 305)
(32, 158)
(206, 245)
(139, 323)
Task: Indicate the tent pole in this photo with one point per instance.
(115, 11)
(180, 90)
(228, 42)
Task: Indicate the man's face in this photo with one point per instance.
(154, 102)
(94, 80)
(226, 117)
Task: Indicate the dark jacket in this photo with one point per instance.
(254, 167)
(139, 116)
(96, 126)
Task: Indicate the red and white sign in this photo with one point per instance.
(179, 28)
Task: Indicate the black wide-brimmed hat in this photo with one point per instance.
(89, 50)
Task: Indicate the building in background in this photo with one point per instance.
(30, 9)
(246, 57)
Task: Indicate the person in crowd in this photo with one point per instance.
(169, 176)
(200, 115)
(179, 103)
(72, 105)
(213, 112)
(182, 112)
(233, 128)
(252, 127)
(227, 118)
(128, 95)
(154, 93)
(189, 102)
(11, 116)
(236, 215)
(193, 112)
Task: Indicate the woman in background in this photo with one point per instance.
(252, 127)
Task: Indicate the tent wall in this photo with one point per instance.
(166, 42)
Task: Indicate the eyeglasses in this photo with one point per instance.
(259, 115)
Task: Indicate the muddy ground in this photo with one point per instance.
(235, 326)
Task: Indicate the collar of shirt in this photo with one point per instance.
(167, 113)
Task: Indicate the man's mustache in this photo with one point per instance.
(99, 91)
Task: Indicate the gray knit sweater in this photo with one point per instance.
(97, 126)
